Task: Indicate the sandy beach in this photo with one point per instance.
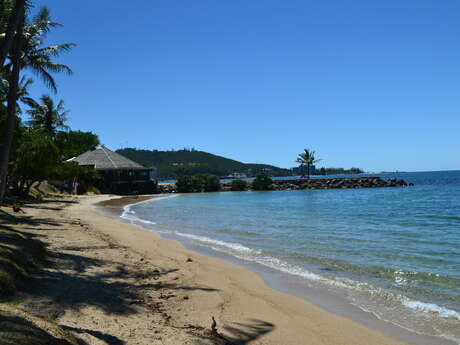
(116, 283)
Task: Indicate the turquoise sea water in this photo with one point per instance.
(392, 251)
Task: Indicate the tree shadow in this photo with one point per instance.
(242, 334)
(50, 201)
(107, 338)
(10, 219)
(5, 216)
(41, 207)
(36, 221)
(82, 281)
(89, 248)
(15, 330)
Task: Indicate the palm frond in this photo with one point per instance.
(55, 50)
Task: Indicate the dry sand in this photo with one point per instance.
(115, 283)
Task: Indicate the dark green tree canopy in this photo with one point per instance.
(46, 116)
(262, 182)
(74, 143)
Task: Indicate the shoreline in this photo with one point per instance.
(276, 281)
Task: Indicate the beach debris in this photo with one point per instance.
(185, 297)
(167, 296)
(189, 260)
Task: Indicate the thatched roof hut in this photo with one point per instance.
(120, 174)
(104, 159)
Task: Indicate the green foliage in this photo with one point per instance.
(307, 157)
(74, 143)
(172, 164)
(184, 184)
(212, 183)
(86, 176)
(38, 58)
(239, 185)
(35, 161)
(18, 131)
(262, 182)
(23, 90)
(198, 183)
(47, 116)
(339, 171)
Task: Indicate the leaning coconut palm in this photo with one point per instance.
(29, 53)
(307, 158)
(46, 116)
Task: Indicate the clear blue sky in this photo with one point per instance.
(372, 84)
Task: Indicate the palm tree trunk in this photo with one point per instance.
(308, 170)
(13, 22)
(11, 110)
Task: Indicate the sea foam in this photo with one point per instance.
(129, 215)
(431, 308)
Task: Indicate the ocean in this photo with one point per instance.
(393, 252)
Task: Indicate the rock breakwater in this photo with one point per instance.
(338, 183)
(314, 183)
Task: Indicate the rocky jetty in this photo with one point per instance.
(338, 183)
(314, 183)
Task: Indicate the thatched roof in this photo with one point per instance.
(104, 159)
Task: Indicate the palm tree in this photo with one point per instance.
(38, 58)
(9, 26)
(11, 107)
(23, 92)
(46, 116)
(28, 53)
(307, 158)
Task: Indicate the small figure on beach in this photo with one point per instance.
(75, 188)
(213, 325)
(17, 209)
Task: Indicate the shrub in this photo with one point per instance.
(184, 184)
(262, 182)
(198, 183)
(87, 177)
(238, 185)
(212, 183)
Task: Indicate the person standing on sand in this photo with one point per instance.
(75, 187)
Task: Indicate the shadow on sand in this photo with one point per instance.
(71, 287)
(16, 330)
(244, 333)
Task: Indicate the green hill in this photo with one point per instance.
(172, 163)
